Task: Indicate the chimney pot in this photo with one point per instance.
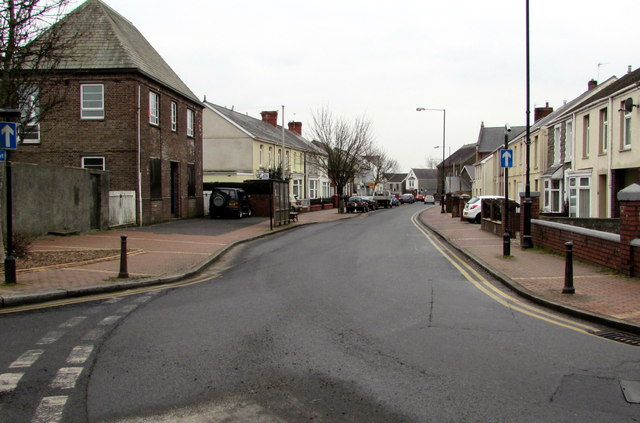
(296, 127)
(270, 117)
(592, 84)
(541, 112)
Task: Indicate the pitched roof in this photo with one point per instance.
(396, 177)
(491, 138)
(263, 131)
(466, 153)
(625, 81)
(105, 40)
(426, 173)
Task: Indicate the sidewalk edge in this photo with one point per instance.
(520, 290)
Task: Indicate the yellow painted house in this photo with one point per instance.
(238, 147)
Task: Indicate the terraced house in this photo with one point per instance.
(125, 111)
(238, 147)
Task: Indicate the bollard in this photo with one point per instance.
(506, 244)
(568, 270)
(124, 273)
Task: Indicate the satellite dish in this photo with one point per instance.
(628, 105)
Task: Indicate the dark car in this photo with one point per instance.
(407, 199)
(355, 204)
(373, 204)
(233, 202)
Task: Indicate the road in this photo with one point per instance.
(370, 319)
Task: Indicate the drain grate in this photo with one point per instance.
(625, 338)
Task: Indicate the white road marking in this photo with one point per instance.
(113, 300)
(9, 381)
(50, 337)
(66, 378)
(74, 321)
(80, 354)
(26, 359)
(93, 335)
(128, 308)
(50, 410)
(109, 320)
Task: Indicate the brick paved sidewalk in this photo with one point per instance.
(154, 257)
(599, 291)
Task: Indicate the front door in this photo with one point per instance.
(175, 190)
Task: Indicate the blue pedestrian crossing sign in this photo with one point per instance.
(506, 158)
(8, 136)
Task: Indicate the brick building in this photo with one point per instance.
(124, 111)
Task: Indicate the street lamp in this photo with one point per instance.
(444, 130)
(444, 167)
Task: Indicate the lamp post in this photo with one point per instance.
(450, 164)
(444, 130)
(526, 230)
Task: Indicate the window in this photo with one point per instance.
(93, 163)
(557, 135)
(552, 195)
(313, 188)
(287, 162)
(325, 189)
(579, 196)
(191, 179)
(535, 152)
(568, 142)
(270, 163)
(155, 178)
(30, 130)
(626, 129)
(297, 188)
(174, 116)
(190, 122)
(92, 101)
(154, 108)
(261, 155)
(585, 136)
(604, 131)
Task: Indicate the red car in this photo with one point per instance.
(420, 197)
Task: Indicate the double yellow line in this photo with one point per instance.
(490, 290)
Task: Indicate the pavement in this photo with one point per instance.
(167, 253)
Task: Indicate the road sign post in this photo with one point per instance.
(9, 141)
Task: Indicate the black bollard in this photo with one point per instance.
(506, 244)
(124, 273)
(568, 270)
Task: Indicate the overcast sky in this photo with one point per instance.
(382, 59)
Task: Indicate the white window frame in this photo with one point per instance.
(626, 130)
(31, 126)
(549, 196)
(326, 189)
(261, 155)
(568, 141)
(296, 185)
(174, 116)
(313, 188)
(604, 130)
(579, 195)
(557, 142)
(586, 128)
(154, 108)
(85, 166)
(91, 112)
(190, 119)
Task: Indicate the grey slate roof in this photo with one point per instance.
(396, 177)
(493, 137)
(263, 131)
(426, 173)
(105, 40)
(623, 82)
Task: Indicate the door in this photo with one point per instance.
(175, 190)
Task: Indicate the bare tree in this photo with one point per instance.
(343, 147)
(32, 44)
(381, 165)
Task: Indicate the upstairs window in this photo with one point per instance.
(174, 116)
(626, 129)
(92, 101)
(30, 131)
(93, 163)
(604, 131)
(190, 116)
(585, 136)
(154, 108)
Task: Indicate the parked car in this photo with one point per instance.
(355, 204)
(473, 209)
(373, 203)
(407, 198)
(232, 202)
(296, 205)
(394, 201)
(429, 199)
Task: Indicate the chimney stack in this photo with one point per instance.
(270, 117)
(296, 127)
(592, 84)
(542, 112)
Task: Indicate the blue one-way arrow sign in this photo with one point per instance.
(506, 158)
(8, 136)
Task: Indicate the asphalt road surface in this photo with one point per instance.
(368, 319)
